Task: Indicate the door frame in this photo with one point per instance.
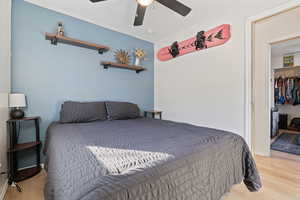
(249, 45)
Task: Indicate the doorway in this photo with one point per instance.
(265, 32)
(285, 99)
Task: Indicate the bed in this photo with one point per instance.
(144, 159)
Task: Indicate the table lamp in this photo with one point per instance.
(16, 102)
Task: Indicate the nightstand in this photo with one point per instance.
(15, 175)
(153, 113)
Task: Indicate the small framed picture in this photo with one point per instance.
(288, 61)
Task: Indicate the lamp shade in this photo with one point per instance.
(17, 101)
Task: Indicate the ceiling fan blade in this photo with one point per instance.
(176, 6)
(95, 1)
(140, 14)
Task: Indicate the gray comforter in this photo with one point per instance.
(144, 159)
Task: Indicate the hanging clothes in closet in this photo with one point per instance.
(287, 91)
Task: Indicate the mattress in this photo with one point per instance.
(144, 159)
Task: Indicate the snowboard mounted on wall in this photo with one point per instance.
(214, 37)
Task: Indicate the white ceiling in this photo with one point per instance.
(291, 46)
(160, 22)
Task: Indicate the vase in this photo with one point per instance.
(137, 61)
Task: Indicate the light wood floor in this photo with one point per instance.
(280, 177)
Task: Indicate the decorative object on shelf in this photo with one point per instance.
(138, 69)
(214, 37)
(122, 56)
(15, 175)
(60, 29)
(288, 61)
(57, 38)
(139, 55)
(17, 102)
(153, 113)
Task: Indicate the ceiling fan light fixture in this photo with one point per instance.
(145, 2)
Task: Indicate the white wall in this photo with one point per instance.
(207, 88)
(5, 7)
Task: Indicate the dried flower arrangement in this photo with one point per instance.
(139, 55)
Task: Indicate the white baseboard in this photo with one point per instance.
(3, 190)
(262, 154)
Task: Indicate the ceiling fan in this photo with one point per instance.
(174, 5)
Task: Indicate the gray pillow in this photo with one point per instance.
(122, 110)
(81, 112)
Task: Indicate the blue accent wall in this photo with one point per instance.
(50, 75)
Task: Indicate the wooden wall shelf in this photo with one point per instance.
(138, 69)
(71, 41)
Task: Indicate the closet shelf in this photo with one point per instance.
(54, 38)
(286, 68)
(123, 66)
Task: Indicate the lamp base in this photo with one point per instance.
(17, 114)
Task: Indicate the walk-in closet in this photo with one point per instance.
(285, 97)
